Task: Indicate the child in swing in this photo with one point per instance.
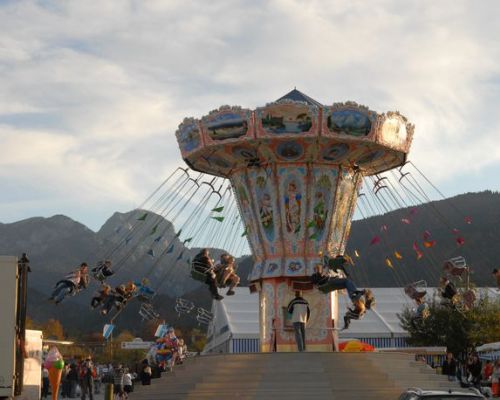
(226, 273)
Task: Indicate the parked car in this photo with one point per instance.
(418, 394)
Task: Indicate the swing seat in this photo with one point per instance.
(148, 313)
(458, 263)
(145, 297)
(196, 274)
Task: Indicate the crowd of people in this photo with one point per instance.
(472, 372)
(83, 378)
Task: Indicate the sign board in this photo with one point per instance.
(136, 345)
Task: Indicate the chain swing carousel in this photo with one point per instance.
(295, 167)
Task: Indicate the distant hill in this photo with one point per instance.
(439, 218)
(57, 244)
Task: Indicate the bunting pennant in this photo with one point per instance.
(468, 220)
(405, 221)
(398, 255)
(153, 231)
(314, 236)
(151, 253)
(143, 217)
(427, 235)
(417, 251)
(413, 211)
(311, 224)
(107, 330)
(170, 249)
(375, 240)
(244, 232)
(157, 240)
(383, 228)
(388, 262)
(356, 253)
(220, 219)
(188, 240)
(178, 233)
(180, 256)
(218, 209)
(429, 243)
(460, 241)
(455, 231)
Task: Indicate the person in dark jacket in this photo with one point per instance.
(449, 290)
(299, 309)
(331, 281)
(146, 373)
(203, 263)
(87, 374)
(474, 368)
(449, 367)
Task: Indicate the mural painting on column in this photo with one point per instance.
(324, 181)
(251, 230)
(267, 314)
(321, 316)
(344, 197)
(265, 197)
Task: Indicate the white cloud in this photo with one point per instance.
(94, 94)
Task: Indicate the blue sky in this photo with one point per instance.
(90, 97)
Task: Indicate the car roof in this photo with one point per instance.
(455, 393)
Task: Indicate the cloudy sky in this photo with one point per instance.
(91, 92)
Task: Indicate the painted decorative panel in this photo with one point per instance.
(264, 195)
(227, 124)
(293, 202)
(287, 118)
(189, 136)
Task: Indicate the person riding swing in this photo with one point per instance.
(71, 284)
(101, 296)
(226, 273)
(102, 271)
(204, 264)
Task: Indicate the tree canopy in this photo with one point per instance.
(459, 331)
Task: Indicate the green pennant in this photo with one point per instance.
(220, 219)
(311, 224)
(178, 233)
(218, 209)
(153, 231)
(143, 217)
(244, 232)
(313, 236)
(187, 240)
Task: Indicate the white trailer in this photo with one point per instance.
(13, 277)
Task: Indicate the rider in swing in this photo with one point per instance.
(203, 263)
(71, 284)
(226, 273)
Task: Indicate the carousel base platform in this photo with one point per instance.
(343, 376)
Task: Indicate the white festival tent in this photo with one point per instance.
(235, 326)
